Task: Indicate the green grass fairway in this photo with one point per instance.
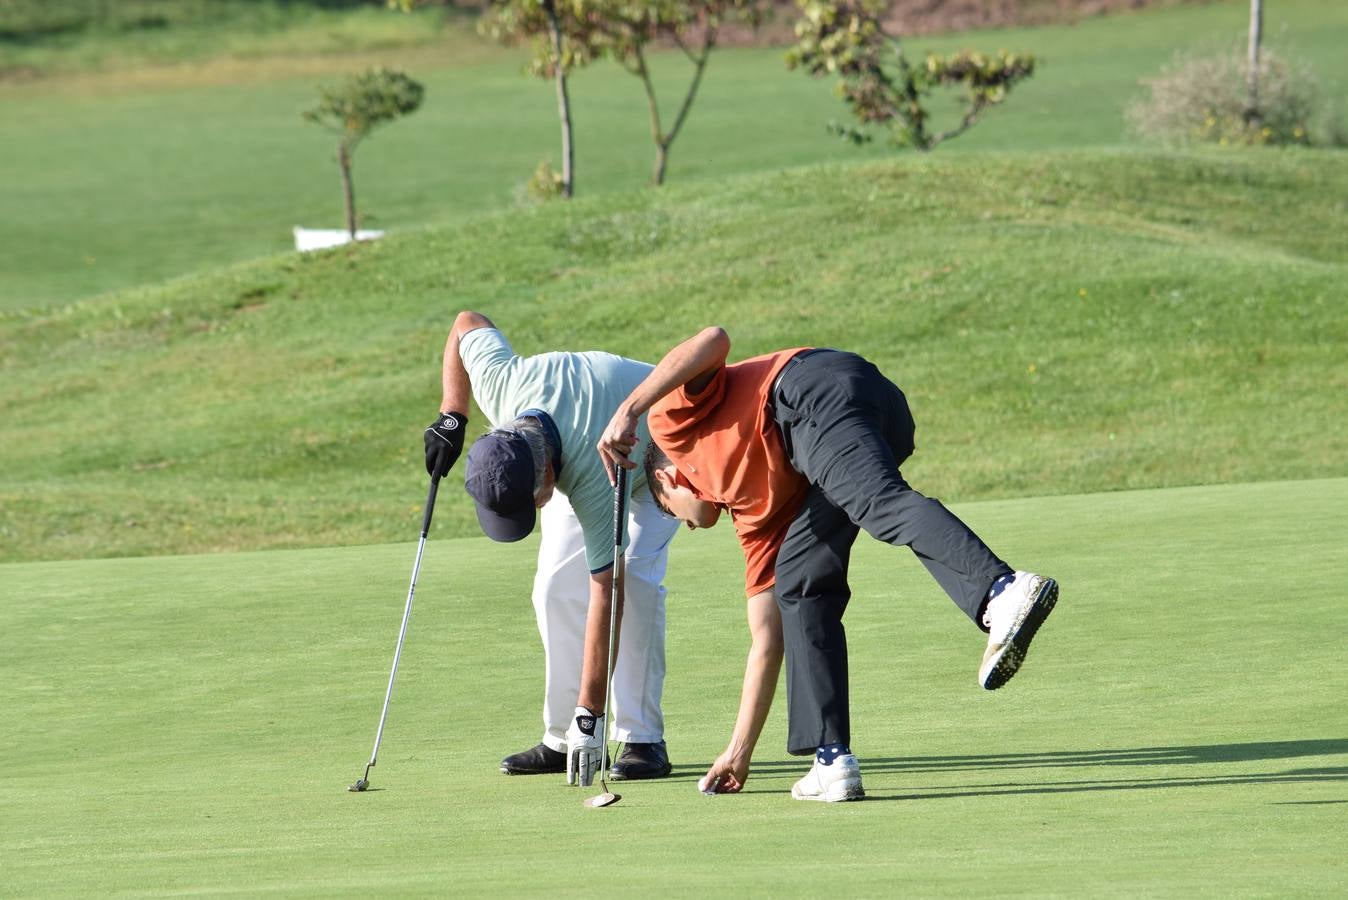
(183, 726)
(41, 38)
(122, 179)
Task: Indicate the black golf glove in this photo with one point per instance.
(444, 443)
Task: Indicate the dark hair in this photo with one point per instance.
(656, 459)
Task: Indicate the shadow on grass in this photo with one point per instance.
(1299, 776)
(774, 770)
(1061, 759)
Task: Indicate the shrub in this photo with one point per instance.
(544, 185)
(1202, 99)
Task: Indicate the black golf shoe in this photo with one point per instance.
(639, 761)
(539, 760)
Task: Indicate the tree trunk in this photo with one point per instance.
(661, 160)
(348, 190)
(653, 112)
(663, 141)
(1252, 116)
(563, 100)
(908, 111)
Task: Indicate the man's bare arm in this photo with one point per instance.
(691, 364)
(457, 390)
(594, 665)
(730, 771)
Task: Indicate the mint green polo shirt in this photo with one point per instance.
(580, 391)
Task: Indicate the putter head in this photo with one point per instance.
(360, 785)
(599, 801)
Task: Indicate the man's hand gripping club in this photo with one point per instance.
(585, 747)
(444, 443)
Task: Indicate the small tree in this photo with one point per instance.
(567, 34)
(624, 30)
(355, 108)
(551, 26)
(881, 87)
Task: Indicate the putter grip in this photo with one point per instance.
(430, 506)
(619, 509)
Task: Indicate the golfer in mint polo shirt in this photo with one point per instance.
(538, 462)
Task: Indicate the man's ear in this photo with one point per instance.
(664, 476)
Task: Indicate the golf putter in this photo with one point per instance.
(608, 798)
(364, 781)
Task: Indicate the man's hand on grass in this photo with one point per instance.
(726, 776)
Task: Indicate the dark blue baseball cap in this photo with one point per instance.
(500, 479)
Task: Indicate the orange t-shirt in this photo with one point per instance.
(727, 445)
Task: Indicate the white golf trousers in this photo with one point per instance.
(562, 601)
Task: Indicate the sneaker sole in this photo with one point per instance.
(1012, 656)
(844, 793)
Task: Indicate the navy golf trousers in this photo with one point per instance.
(847, 429)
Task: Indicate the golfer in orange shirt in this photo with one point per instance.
(803, 448)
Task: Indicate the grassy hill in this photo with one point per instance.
(131, 176)
(189, 725)
(1064, 323)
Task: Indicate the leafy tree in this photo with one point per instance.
(570, 33)
(356, 107)
(624, 31)
(552, 26)
(881, 87)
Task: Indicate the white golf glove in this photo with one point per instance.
(584, 747)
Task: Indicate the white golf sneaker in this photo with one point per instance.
(1013, 616)
(840, 781)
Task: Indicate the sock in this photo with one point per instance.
(826, 754)
(999, 584)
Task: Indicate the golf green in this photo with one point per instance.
(188, 725)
